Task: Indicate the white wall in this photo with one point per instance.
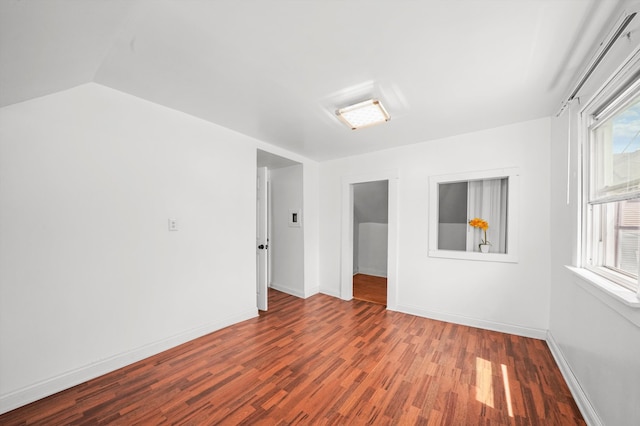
(504, 296)
(90, 277)
(595, 337)
(287, 242)
(372, 249)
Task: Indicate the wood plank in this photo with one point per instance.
(325, 361)
(370, 288)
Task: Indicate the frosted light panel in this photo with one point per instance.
(363, 114)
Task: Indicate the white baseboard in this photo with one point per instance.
(296, 292)
(587, 410)
(534, 333)
(372, 272)
(285, 289)
(312, 291)
(74, 377)
(331, 293)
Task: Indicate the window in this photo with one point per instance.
(612, 187)
(457, 199)
(459, 202)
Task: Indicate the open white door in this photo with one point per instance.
(262, 243)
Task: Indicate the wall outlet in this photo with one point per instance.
(173, 224)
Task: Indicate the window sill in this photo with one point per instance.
(607, 287)
(474, 255)
(623, 301)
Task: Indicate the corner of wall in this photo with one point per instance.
(587, 410)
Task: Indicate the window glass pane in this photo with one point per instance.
(459, 202)
(615, 161)
(488, 201)
(627, 236)
(452, 216)
(615, 242)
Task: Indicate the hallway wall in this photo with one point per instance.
(287, 242)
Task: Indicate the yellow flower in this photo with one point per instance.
(477, 222)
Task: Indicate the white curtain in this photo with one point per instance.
(488, 200)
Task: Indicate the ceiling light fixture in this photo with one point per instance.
(363, 114)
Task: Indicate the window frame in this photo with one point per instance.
(613, 97)
(513, 175)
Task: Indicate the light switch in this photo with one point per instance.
(173, 224)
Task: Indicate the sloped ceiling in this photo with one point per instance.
(371, 202)
(49, 46)
(277, 70)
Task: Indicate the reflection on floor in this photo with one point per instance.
(370, 288)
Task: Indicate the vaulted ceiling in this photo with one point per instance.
(277, 70)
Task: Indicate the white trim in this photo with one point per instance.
(606, 100)
(622, 300)
(579, 396)
(311, 292)
(346, 269)
(289, 290)
(330, 293)
(611, 276)
(370, 271)
(535, 333)
(513, 174)
(472, 255)
(90, 371)
(623, 73)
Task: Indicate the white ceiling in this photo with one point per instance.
(276, 70)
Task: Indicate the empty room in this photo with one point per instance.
(320, 212)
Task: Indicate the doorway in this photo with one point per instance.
(279, 227)
(370, 241)
(348, 234)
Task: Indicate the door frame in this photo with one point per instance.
(346, 272)
(262, 239)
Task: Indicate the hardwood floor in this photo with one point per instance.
(370, 288)
(326, 361)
